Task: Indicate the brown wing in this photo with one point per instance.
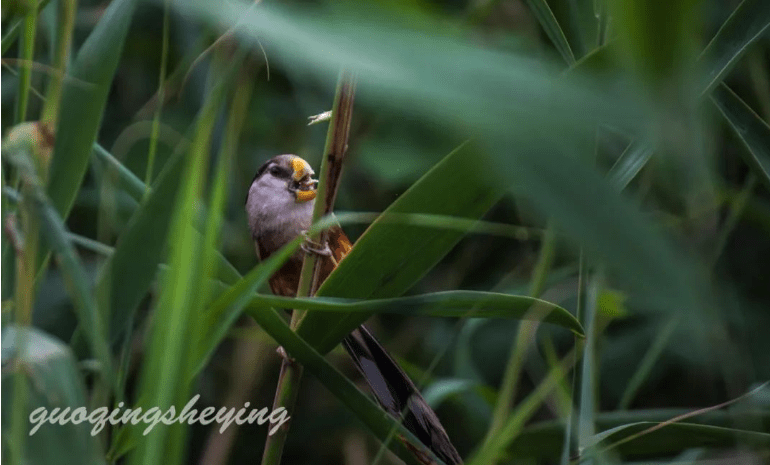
(340, 245)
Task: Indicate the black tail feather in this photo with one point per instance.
(398, 395)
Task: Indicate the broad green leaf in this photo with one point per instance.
(83, 100)
(129, 272)
(389, 258)
(54, 381)
(222, 313)
(746, 25)
(428, 84)
(750, 129)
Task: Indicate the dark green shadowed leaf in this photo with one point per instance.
(750, 129)
(54, 381)
(131, 269)
(544, 440)
(76, 280)
(79, 287)
(744, 27)
(83, 100)
(678, 436)
(389, 258)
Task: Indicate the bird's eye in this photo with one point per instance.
(275, 171)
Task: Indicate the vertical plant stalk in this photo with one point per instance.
(26, 251)
(64, 27)
(27, 55)
(335, 149)
(161, 98)
(523, 339)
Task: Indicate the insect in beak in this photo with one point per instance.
(302, 184)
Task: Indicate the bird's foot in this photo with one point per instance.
(310, 246)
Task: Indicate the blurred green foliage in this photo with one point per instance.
(627, 141)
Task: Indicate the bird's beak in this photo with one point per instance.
(302, 183)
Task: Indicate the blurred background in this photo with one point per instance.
(636, 164)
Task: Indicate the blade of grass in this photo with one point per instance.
(750, 129)
(136, 188)
(161, 96)
(447, 304)
(747, 23)
(493, 451)
(649, 360)
(27, 55)
(552, 28)
(649, 429)
(166, 374)
(542, 441)
(65, 24)
(629, 164)
(587, 295)
(524, 338)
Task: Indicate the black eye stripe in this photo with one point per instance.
(279, 171)
(284, 173)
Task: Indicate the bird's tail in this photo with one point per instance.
(397, 394)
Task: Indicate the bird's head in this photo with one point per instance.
(286, 174)
(280, 201)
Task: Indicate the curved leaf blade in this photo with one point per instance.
(750, 129)
(449, 304)
(748, 22)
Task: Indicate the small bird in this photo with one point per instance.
(279, 206)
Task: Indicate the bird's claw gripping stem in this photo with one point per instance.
(310, 246)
